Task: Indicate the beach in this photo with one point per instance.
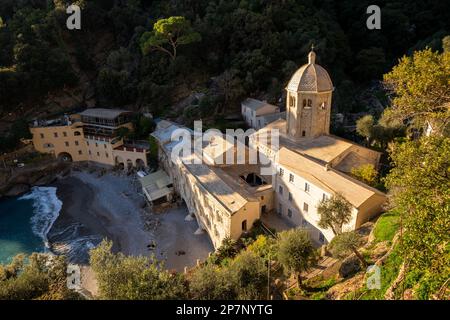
(97, 206)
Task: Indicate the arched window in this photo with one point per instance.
(304, 103)
(291, 101)
(77, 133)
(309, 103)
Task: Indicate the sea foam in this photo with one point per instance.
(46, 207)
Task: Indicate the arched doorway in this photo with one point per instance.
(65, 157)
(119, 163)
(140, 164)
(129, 164)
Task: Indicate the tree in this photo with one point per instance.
(172, 32)
(249, 274)
(419, 185)
(345, 243)
(420, 88)
(370, 63)
(366, 173)
(446, 44)
(334, 213)
(211, 283)
(296, 252)
(364, 127)
(133, 278)
(38, 276)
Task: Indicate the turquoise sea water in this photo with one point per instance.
(25, 222)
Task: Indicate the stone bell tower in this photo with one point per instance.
(308, 101)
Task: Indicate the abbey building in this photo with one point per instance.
(310, 165)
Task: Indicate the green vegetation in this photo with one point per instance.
(420, 89)
(386, 226)
(173, 31)
(37, 276)
(140, 278)
(296, 253)
(345, 243)
(367, 174)
(334, 213)
(19, 130)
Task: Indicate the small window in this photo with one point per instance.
(98, 154)
(307, 187)
(80, 152)
(66, 143)
(290, 197)
(42, 136)
(77, 143)
(96, 145)
(304, 103)
(309, 103)
(305, 207)
(262, 197)
(289, 213)
(280, 209)
(77, 133)
(107, 155)
(303, 133)
(87, 142)
(64, 134)
(281, 172)
(291, 177)
(105, 146)
(280, 190)
(244, 225)
(48, 145)
(55, 134)
(90, 153)
(324, 197)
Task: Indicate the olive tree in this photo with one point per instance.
(334, 213)
(296, 252)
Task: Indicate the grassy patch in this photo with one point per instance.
(389, 272)
(386, 226)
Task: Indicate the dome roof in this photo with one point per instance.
(310, 78)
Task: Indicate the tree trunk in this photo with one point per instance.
(299, 280)
(360, 257)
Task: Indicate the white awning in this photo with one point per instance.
(156, 185)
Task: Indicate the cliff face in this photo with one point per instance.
(14, 182)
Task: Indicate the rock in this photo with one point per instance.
(17, 190)
(365, 229)
(349, 266)
(142, 204)
(379, 250)
(47, 179)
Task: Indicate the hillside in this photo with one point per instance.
(247, 48)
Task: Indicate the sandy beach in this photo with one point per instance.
(110, 206)
(95, 208)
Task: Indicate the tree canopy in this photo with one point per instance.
(420, 87)
(172, 32)
(296, 252)
(334, 213)
(123, 277)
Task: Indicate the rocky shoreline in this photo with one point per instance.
(18, 181)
